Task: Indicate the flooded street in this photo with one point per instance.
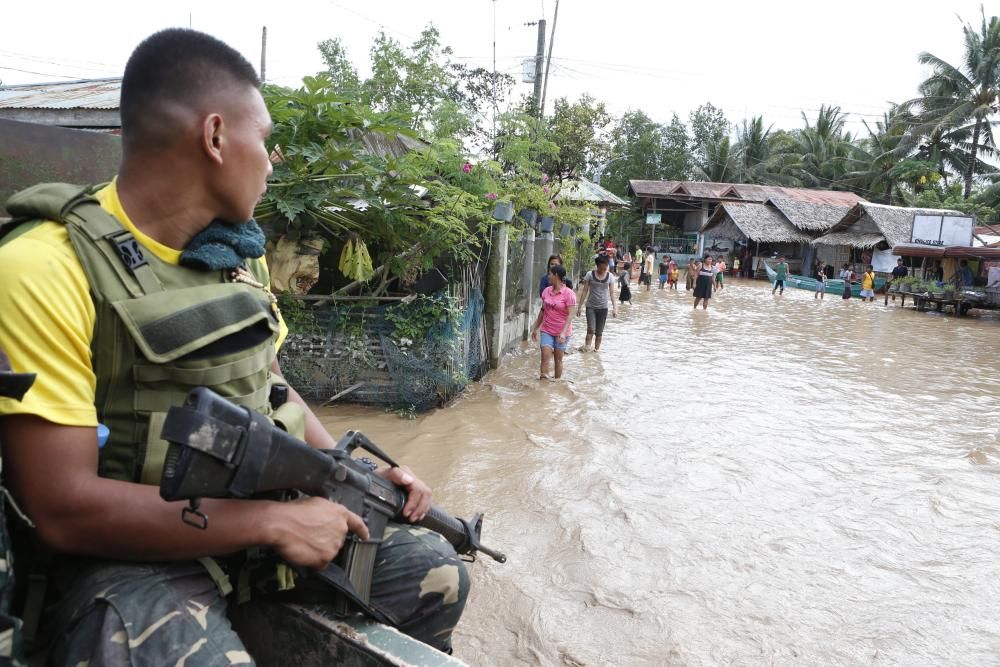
(773, 481)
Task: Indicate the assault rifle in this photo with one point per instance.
(221, 450)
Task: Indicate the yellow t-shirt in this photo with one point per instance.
(47, 317)
(868, 281)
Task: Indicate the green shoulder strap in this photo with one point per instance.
(76, 205)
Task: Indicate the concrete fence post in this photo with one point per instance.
(496, 292)
(528, 280)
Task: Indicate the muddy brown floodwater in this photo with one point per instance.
(776, 481)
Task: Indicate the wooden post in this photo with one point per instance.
(263, 54)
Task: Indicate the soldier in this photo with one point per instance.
(123, 307)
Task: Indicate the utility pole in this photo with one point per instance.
(263, 54)
(539, 59)
(548, 63)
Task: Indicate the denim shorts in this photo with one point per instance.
(548, 340)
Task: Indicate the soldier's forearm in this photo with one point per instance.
(51, 469)
(132, 522)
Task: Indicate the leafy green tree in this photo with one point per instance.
(339, 68)
(441, 98)
(643, 149)
(675, 157)
(965, 97)
(708, 127)
(952, 197)
(328, 183)
(578, 129)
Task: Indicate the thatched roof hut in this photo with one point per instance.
(810, 216)
(868, 225)
(754, 221)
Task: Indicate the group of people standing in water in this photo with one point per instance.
(553, 326)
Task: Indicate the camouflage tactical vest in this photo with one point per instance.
(160, 329)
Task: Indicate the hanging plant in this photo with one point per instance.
(355, 262)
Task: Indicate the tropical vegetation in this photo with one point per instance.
(454, 141)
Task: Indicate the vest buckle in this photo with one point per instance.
(129, 251)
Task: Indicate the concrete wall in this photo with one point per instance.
(31, 154)
(692, 221)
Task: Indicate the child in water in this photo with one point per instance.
(820, 281)
(673, 273)
(624, 293)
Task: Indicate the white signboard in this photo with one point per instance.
(883, 261)
(653, 218)
(943, 230)
(528, 70)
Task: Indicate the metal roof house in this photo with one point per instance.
(582, 191)
(89, 104)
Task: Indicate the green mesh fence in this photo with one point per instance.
(350, 351)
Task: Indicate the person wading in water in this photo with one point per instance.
(598, 291)
(703, 285)
(554, 321)
(780, 272)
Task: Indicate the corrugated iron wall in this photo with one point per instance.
(31, 153)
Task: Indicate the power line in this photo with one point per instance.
(380, 24)
(62, 61)
(590, 75)
(26, 71)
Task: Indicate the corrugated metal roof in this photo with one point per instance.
(739, 191)
(84, 94)
(582, 190)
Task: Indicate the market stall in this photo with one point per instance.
(970, 278)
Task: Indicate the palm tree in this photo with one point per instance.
(964, 98)
(753, 151)
(720, 165)
(877, 163)
(819, 160)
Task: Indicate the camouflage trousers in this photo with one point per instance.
(117, 613)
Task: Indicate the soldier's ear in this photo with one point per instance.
(213, 137)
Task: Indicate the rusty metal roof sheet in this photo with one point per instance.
(83, 94)
(739, 191)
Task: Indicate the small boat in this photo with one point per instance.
(833, 285)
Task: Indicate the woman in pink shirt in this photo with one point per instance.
(555, 321)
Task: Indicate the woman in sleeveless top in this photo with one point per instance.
(703, 285)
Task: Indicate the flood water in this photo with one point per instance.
(774, 481)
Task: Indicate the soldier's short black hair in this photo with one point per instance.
(176, 65)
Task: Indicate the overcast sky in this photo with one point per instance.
(774, 58)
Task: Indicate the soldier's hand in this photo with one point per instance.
(309, 532)
(418, 499)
